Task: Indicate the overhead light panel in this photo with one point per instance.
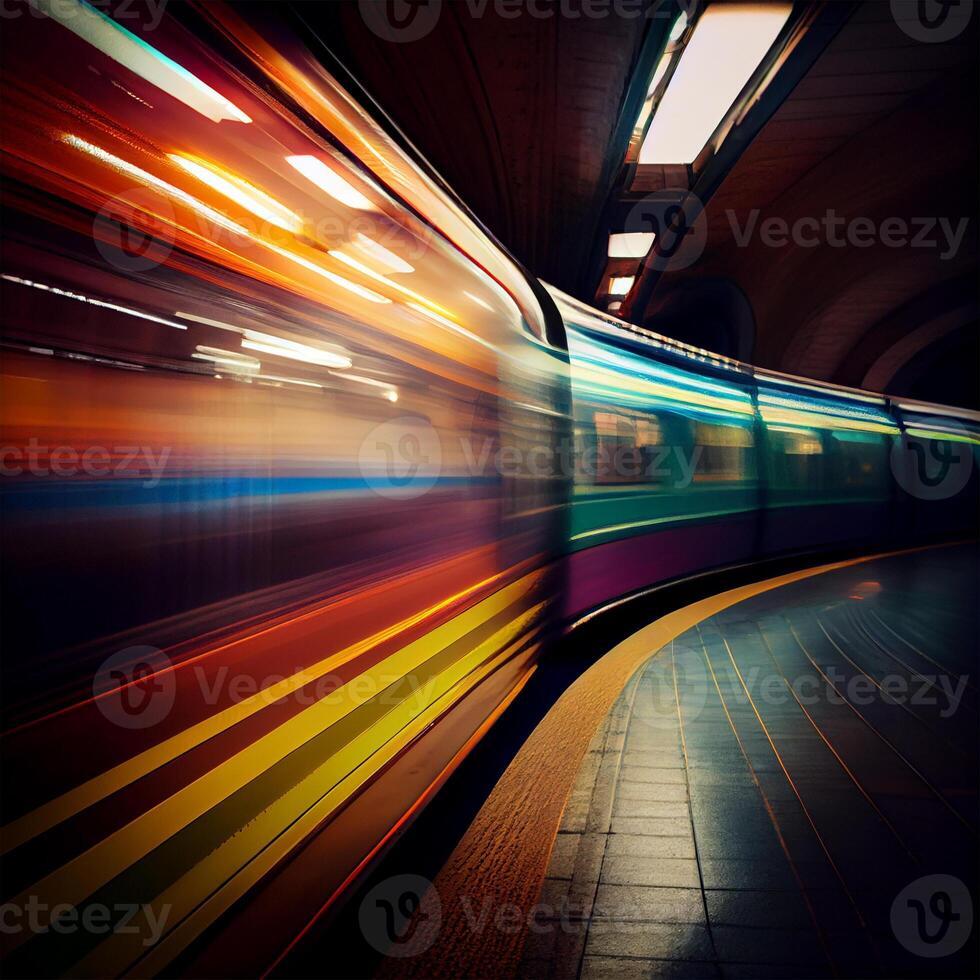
(620, 285)
(727, 45)
(630, 244)
(318, 173)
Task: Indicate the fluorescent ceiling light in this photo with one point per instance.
(241, 192)
(278, 346)
(620, 285)
(317, 172)
(630, 244)
(613, 307)
(387, 258)
(727, 45)
(134, 53)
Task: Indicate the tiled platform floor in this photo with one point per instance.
(767, 785)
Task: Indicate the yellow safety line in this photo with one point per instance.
(212, 885)
(86, 794)
(81, 876)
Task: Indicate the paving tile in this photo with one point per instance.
(736, 944)
(758, 909)
(626, 806)
(567, 958)
(653, 904)
(729, 843)
(585, 878)
(769, 971)
(554, 893)
(652, 774)
(653, 792)
(654, 826)
(661, 759)
(635, 870)
(643, 845)
(757, 875)
(563, 852)
(665, 792)
(607, 968)
(649, 940)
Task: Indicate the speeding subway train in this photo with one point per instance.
(301, 472)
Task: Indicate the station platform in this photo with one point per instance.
(777, 781)
(775, 792)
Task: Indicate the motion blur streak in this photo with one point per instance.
(301, 472)
(215, 504)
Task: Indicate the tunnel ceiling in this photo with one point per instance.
(529, 118)
(518, 114)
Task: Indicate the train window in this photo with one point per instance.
(722, 452)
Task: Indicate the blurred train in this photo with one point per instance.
(300, 473)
